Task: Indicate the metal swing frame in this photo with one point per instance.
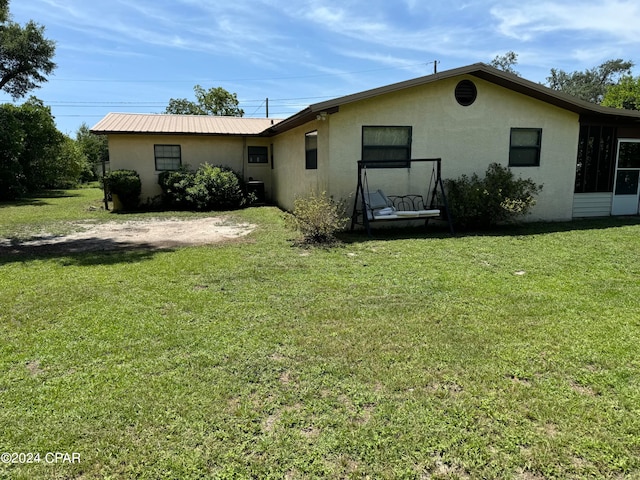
(411, 202)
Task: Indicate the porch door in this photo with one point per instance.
(626, 190)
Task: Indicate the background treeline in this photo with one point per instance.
(35, 155)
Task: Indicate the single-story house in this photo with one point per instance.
(586, 156)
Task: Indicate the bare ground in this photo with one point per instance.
(151, 233)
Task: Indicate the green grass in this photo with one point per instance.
(411, 355)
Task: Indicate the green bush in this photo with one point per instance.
(208, 188)
(174, 185)
(318, 218)
(216, 188)
(497, 198)
(126, 185)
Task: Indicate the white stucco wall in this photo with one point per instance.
(467, 139)
(136, 152)
(290, 177)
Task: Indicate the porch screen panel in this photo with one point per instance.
(629, 156)
(595, 164)
(391, 146)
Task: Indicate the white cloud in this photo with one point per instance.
(618, 19)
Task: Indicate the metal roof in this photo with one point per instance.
(138, 123)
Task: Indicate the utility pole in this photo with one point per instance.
(267, 104)
(435, 66)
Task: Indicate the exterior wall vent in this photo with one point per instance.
(466, 92)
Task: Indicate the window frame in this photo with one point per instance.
(536, 149)
(384, 162)
(311, 154)
(259, 158)
(157, 157)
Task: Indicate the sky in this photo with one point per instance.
(135, 55)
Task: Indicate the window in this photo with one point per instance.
(168, 157)
(524, 149)
(386, 146)
(258, 154)
(311, 150)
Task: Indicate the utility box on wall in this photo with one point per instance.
(257, 188)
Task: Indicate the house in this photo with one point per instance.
(586, 156)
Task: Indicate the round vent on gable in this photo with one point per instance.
(466, 92)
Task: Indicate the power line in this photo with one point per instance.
(162, 103)
(262, 79)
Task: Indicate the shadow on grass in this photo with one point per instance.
(85, 252)
(441, 230)
(38, 199)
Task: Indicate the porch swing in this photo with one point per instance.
(376, 206)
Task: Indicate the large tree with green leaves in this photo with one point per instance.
(4, 10)
(215, 101)
(592, 84)
(625, 94)
(34, 154)
(25, 55)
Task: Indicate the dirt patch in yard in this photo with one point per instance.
(150, 233)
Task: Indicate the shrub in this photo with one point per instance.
(208, 188)
(318, 217)
(126, 185)
(216, 188)
(497, 198)
(174, 185)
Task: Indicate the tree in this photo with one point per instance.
(12, 178)
(506, 62)
(33, 153)
(215, 101)
(94, 147)
(4, 10)
(42, 141)
(625, 94)
(590, 85)
(69, 167)
(25, 55)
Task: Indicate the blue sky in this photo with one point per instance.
(134, 55)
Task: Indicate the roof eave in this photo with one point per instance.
(198, 134)
(479, 70)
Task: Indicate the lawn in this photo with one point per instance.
(411, 355)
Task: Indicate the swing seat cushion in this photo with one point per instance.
(380, 207)
(377, 200)
(419, 213)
